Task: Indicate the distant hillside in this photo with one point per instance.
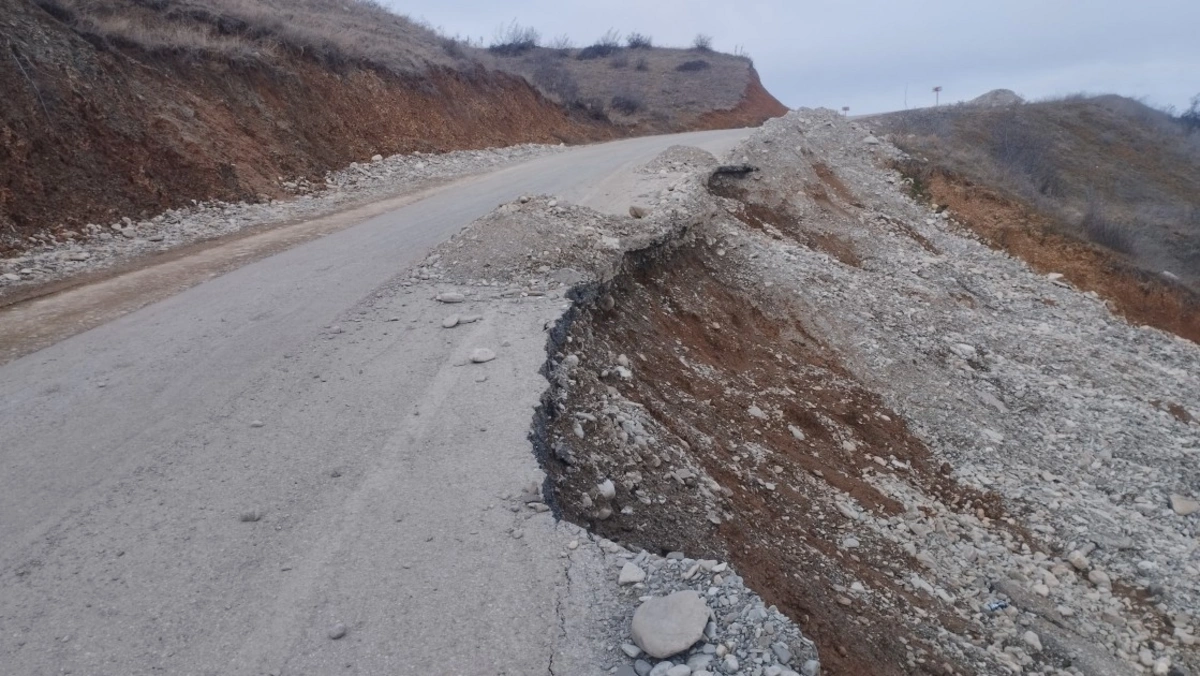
(633, 82)
(129, 107)
(1103, 189)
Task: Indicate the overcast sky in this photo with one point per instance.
(865, 53)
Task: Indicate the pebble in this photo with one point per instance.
(482, 355)
(450, 322)
(452, 297)
(631, 573)
(1184, 506)
(1032, 640)
(337, 631)
(631, 650)
(1100, 579)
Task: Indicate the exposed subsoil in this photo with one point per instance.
(711, 356)
(757, 106)
(92, 131)
(1006, 224)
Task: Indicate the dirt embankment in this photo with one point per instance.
(1005, 223)
(94, 127)
(95, 134)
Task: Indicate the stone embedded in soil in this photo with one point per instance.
(1100, 579)
(668, 625)
(450, 322)
(631, 573)
(337, 631)
(482, 355)
(1184, 506)
(451, 297)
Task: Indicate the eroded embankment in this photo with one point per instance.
(93, 132)
(1007, 224)
(730, 431)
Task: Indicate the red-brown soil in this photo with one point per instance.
(1007, 224)
(92, 130)
(705, 347)
(92, 134)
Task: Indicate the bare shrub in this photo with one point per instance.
(514, 39)
(642, 65)
(1190, 118)
(627, 103)
(702, 43)
(619, 61)
(639, 41)
(593, 107)
(555, 81)
(562, 46)
(693, 66)
(607, 45)
(1101, 228)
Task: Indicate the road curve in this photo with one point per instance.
(134, 470)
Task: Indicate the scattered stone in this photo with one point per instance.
(1184, 506)
(631, 650)
(337, 631)
(668, 625)
(482, 355)
(631, 574)
(451, 298)
(251, 516)
(1032, 640)
(1100, 579)
(637, 212)
(450, 322)
(606, 489)
(258, 423)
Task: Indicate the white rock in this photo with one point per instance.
(1184, 506)
(631, 573)
(482, 355)
(451, 297)
(1100, 579)
(1033, 641)
(756, 412)
(606, 489)
(668, 625)
(631, 650)
(450, 322)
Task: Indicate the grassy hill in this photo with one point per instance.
(1103, 189)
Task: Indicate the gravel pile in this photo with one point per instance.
(688, 616)
(1027, 387)
(55, 254)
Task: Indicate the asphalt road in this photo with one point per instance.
(149, 524)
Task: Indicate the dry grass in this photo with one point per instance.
(609, 75)
(1104, 169)
(333, 32)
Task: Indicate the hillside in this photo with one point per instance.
(1104, 190)
(635, 84)
(120, 108)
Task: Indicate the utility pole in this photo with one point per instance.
(937, 95)
(846, 111)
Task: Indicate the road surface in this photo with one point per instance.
(214, 483)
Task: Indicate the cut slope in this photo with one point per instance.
(93, 132)
(658, 88)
